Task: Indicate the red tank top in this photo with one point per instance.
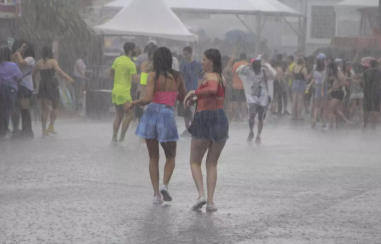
(210, 95)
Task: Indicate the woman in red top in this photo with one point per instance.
(209, 128)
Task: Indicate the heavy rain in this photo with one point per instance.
(190, 121)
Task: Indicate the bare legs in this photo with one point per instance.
(170, 153)
(45, 104)
(319, 109)
(123, 114)
(297, 105)
(198, 150)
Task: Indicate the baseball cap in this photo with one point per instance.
(152, 42)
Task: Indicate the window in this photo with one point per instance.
(323, 22)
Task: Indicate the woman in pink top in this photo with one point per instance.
(158, 123)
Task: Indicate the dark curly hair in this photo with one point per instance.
(214, 55)
(162, 64)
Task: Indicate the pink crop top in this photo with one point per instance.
(165, 97)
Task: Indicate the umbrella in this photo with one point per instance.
(366, 61)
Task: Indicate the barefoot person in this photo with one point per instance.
(158, 123)
(48, 90)
(124, 72)
(209, 128)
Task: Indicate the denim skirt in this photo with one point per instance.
(298, 86)
(210, 125)
(158, 122)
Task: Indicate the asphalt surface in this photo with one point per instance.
(299, 186)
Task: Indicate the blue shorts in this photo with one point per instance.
(210, 125)
(318, 91)
(158, 122)
(299, 86)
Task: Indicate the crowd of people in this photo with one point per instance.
(18, 71)
(155, 87)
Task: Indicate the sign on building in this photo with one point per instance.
(10, 9)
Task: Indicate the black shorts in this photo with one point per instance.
(24, 93)
(255, 109)
(238, 95)
(337, 94)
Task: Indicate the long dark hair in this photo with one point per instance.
(162, 63)
(47, 53)
(214, 55)
(320, 65)
(29, 50)
(333, 69)
(5, 54)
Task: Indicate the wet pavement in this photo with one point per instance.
(299, 186)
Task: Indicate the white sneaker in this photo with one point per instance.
(164, 191)
(210, 207)
(157, 200)
(199, 204)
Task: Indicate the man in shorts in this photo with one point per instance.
(191, 71)
(124, 72)
(238, 99)
(255, 78)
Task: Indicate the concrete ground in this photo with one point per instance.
(299, 186)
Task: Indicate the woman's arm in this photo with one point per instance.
(150, 89)
(182, 90)
(212, 88)
(59, 71)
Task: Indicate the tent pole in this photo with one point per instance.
(244, 24)
(258, 33)
(288, 23)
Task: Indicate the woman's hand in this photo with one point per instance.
(130, 106)
(188, 99)
(70, 80)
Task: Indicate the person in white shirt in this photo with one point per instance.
(24, 57)
(80, 78)
(255, 82)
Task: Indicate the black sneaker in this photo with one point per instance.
(251, 137)
(258, 140)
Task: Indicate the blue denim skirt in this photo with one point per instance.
(210, 125)
(298, 86)
(158, 122)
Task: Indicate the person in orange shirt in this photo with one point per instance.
(238, 100)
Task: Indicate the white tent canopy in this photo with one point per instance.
(136, 19)
(269, 7)
(359, 3)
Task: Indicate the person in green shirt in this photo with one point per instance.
(124, 72)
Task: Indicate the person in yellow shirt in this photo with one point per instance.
(124, 72)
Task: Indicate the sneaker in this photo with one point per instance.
(157, 200)
(258, 140)
(51, 130)
(210, 207)
(313, 125)
(199, 204)
(251, 137)
(164, 191)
